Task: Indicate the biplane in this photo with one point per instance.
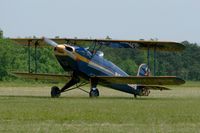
(88, 66)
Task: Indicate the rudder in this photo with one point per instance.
(143, 70)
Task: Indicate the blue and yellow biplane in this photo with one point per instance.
(90, 66)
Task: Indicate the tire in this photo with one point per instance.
(55, 92)
(94, 92)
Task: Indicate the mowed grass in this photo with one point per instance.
(29, 108)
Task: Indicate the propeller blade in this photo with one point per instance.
(50, 42)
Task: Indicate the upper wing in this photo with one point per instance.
(159, 45)
(51, 77)
(159, 80)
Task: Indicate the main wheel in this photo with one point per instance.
(55, 92)
(94, 92)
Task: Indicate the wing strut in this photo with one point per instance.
(148, 58)
(36, 44)
(36, 57)
(95, 49)
(29, 56)
(154, 59)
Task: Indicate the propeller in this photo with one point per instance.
(57, 47)
(50, 42)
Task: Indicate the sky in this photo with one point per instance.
(167, 20)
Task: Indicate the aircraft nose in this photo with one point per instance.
(65, 50)
(70, 50)
(59, 48)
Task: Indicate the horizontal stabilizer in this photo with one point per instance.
(152, 87)
(158, 80)
(50, 77)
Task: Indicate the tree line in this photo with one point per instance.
(184, 64)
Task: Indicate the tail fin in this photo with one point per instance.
(143, 70)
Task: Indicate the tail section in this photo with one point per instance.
(143, 70)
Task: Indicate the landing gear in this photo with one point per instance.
(94, 92)
(146, 92)
(55, 92)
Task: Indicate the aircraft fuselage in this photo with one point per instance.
(85, 64)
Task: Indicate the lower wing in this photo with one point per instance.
(149, 82)
(51, 77)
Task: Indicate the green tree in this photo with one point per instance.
(1, 33)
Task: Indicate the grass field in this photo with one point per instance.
(28, 108)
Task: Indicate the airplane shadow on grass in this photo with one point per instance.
(87, 98)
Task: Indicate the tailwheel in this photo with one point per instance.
(94, 92)
(55, 92)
